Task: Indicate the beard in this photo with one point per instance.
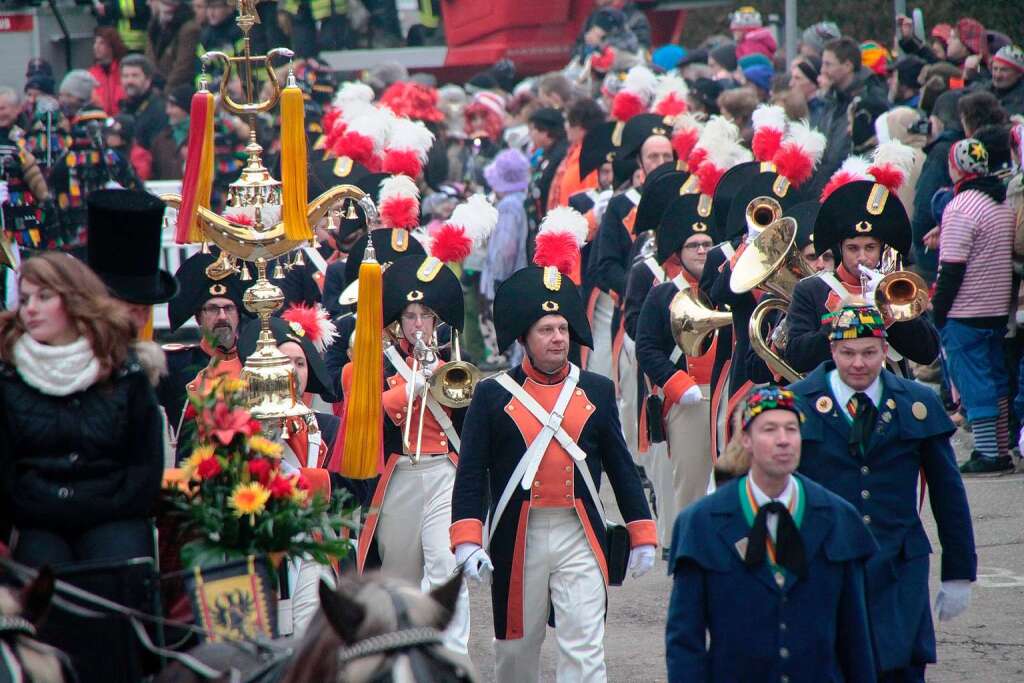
(223, 336)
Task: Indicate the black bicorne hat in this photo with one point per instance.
(530, 294)
(730, 183)
(425, 280)
(764, 184)
(597, 148)
(196, 287)
(681, 220)
(125, 229)
(804, 213)
(283, 332)
(327, 173)
(636, 131)
(660, 188)
(862, 209)
(389, 245)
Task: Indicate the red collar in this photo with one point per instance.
(846, 277)
(217, 352)
(542, 377)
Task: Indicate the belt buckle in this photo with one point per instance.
(555, 420)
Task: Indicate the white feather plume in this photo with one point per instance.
(718, 131)
(856, 166)
(811, 140)
(373, 126)
(566, 219)
(477, 217)
(668, 84)
(407, 134)
(686, 121)
(769, 116)
(397, 186)
(641, 81)
(897, 154)
(351, 92)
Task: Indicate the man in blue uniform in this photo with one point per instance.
(771, 566)
(868, 435)
(535, 443)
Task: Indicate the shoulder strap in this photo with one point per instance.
(435, 409)
(656, 270)
(727, 249)
(634, 195)
(316, 259)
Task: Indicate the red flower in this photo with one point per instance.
(190, 412)
(224, 423)
(301, 483)
(260, 468)
(210, 467)
(254, 426)
(281, 487)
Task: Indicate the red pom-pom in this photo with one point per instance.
(794, 163)
(603, 60)
(708, 176)
(683, 143)
(400, 212)
(766, 143)
(402, 161)
(626, 105)
(240, 218)
(357, 147)
(838, 180)
(306, 317)
(671, 105)
(888, 175)
(558, 249)
(697, 158)
(450, 243)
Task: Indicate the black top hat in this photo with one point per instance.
(197, 287)
(425, 280)
(123, 246)
(765, 184)
(389, 244)
(660, 188)
(730, 183)
(804, 214)
(283, 332)
(681, 220)
(597, 148)
(532, 293)
(636, 131)
(862, 209)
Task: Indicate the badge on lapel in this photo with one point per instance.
(823, 404)
(919, 410)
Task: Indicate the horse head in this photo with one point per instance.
(21, 613)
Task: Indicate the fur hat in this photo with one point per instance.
(79, 83)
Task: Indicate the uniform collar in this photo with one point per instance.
(843, 392)
(216, 352)
(542, 377)
(846, 277)
(763, 498)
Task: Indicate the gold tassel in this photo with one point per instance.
(293, 164)
(364, 413)
(146, 333)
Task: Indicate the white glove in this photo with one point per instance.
(953, 599)
(601, 204)
(641, 560)
(691, 396)
(873, 278)
(474, 561)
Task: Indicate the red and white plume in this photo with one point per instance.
(364, 138)
(853, 169)
(407, 148)
(469, 227)
(717, 151)
(635, 95)
(717, 131)
(891, 164)
(351, 102)
(686, 132)
(352, 91)
(800, 152)
(769, 121)
(562, 234)
(315, 323)
(399, 202)
(670, 96)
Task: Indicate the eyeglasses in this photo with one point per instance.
(418, 317)
(698, 247)
(214, 310)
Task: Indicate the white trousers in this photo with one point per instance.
(627, 396)
(560, 571)
(600, 358)
(412, 534)
(689, 442)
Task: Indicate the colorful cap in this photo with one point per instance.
(856, 322)
(970, 157)
(769, 397)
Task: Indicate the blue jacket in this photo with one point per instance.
(911, 437)
(809, 629)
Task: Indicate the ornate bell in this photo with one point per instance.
(245, 275)
(278, 272)
(298, 261)
(351, 214)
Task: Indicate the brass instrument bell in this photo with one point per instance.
(901, 296)
(692, 321)
(762, 212)
(771, 261)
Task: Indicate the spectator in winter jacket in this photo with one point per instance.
(173, 37)
(1008, 79)
(107, 51)
(141, 100)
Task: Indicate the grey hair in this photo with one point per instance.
(10, 93)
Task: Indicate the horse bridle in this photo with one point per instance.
(16, 626)
(406, 637)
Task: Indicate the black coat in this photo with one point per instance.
(72, 462)
(614, 245)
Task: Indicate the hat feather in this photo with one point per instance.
(853, 169)
(769, 123)
(670, 95)
(892, 164)
(399, 202)
(315, 323)
(637, 91)
(407, 147)
(353, 91)
(800, 152)
(561, 235)
(364, 139)
(685, 133)
(470, 226)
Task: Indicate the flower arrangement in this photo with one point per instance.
(239, 498)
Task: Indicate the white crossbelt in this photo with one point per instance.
(727, 249)
(634, 195)
(656, 270)
(316, 259)
(433, 406)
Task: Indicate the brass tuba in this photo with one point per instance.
(762, 345)
(692, 321)
(771, 261)
(762, 212)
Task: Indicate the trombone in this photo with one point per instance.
(901, 295)
(778, 337)
(421, 355)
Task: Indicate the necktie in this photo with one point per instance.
(864, 416)
(789, 545)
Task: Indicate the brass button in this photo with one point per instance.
(783, 678)
(568, 497)
(579, 392)
(536, 484)
(568, 468)
(867, 519)
(590, 407)
(784, 652)
(865, 470)
(782, 626)
(865, 494)
(568, 483)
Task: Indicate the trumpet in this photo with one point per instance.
(762, 346)
(900, 295)
(693, 321)
(421, 355)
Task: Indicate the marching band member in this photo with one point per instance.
(769, 569)
(860, 217)
(681, 472)
(535, 441)
(867, 435)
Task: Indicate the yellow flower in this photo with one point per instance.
(198, 455)
(299, 496)
(248, 499)
(265, 447)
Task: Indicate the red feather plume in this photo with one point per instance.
(794, 163)
(357, 147)
(683, 143)
(708, 176)
(766, 143)
(450, 243)
(697, 158)
(671, 105)
(558, 249)
(305, 316)
(603, 61)
(888, 175)
(400, 212)
(838, 180)
(331, 115)
(626, 105)
(402, 161)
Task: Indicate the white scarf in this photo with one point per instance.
(56, 370)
